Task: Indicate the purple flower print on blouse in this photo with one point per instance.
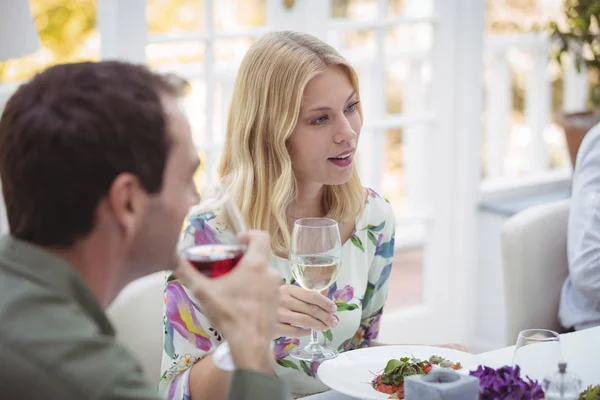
(343, 295)
(203, 232)
(283, 346)
(179, 310)
(367, 331)
(310, 370)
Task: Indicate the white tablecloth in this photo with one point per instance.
(580, 349)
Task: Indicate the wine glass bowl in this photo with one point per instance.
(214, 260)
(210, 253)
(537, 352)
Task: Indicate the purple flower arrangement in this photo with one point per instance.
(506, 383)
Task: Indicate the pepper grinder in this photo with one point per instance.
(562, 385)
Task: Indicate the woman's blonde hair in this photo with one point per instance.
(265, 106)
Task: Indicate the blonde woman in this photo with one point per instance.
(292, 134)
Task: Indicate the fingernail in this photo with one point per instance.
(334, 322)
(333, 308)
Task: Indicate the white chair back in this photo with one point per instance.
(535, 266)
(137, 315)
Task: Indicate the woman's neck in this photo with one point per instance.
(308, 202)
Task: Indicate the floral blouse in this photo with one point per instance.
(359, 291)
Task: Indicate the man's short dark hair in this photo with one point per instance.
(66, 135)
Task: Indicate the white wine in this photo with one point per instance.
(315, 272)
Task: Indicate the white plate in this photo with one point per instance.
(351, 372)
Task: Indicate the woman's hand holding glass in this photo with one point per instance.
(301, 310)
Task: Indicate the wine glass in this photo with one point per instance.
(537, 353)
(315, 259)
(215, 254)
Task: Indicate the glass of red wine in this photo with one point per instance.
(210, 241)
(210, 244)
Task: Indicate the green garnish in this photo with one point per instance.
(591, 393)
(436, 360)
(397, 369)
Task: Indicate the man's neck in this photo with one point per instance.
(95, 264)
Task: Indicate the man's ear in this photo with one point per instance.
(129, 202)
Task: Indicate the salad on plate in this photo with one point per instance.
(391, 380)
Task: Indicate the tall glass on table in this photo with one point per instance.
(537, 353)
(215, 259)
(315, 259)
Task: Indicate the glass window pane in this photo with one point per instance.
(200, 176)
(397, 6)
(393, 184)
(406, 280)
(195, 107)
(67, 33)
(354, 9)
(504, 16)
(396, 74)
(410, 37)
(161, 55)
(354, 39)
(408, 87)
(238, 14)
(411, 8)
(232, 49)
(170, 16)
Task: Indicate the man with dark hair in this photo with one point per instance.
(97, 165)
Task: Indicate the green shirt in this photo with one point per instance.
(57, 343)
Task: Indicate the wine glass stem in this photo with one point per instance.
(314, 340)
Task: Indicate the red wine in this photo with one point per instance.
(215, 260)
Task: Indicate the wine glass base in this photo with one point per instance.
(222, 358)
(316, 353)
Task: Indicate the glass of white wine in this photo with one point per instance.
(315, 259)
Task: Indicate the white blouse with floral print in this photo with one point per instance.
(359, 291)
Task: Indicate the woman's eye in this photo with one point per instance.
(320, 120)
(352, 107)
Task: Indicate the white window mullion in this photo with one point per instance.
(538, 108)
(281, 18)
(416, 139)
(226, 86)
(457, 87)
(123, 29)
(384, 22)
(414, 142)
(316, 23)
(210, 155)
(498, 113)
(249, 32)
(576, 86)
(373, 143)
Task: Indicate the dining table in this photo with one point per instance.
(580, 349)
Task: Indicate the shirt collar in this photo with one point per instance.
(54, 273)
